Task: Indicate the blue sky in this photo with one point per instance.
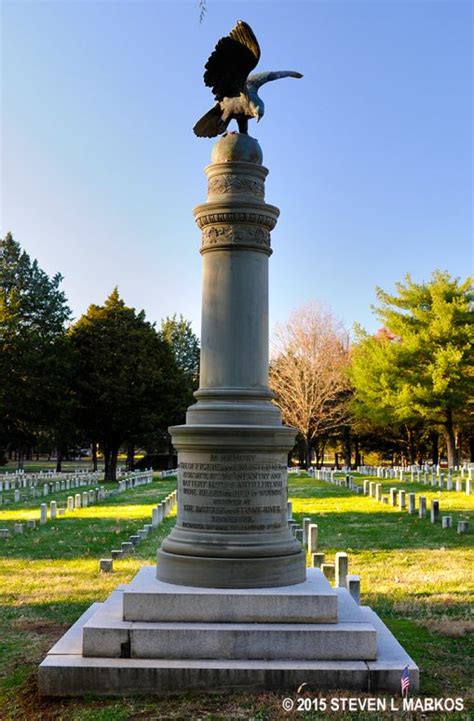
(370, 155)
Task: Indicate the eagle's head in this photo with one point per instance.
(258, 109)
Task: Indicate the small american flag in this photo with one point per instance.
(405, 681)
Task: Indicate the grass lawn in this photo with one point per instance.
(417, 576)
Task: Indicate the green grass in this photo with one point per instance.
(413, 573)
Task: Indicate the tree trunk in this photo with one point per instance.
(336, 460)
(111, 451)
(94, 456)
(170, 452)
(434, 437)
(130, 456)
(471, 449)
(308, 451)
(318, 459)
(59, 460)
(450, 439)
(106, 450)
(346, 438)
(411, 446)
(301, 454)
(20, 459)
(357, 459)
(113, 464)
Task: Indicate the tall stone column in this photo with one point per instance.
(232, 528)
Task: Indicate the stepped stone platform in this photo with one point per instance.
(152, 637)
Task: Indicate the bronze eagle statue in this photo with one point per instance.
(227, 73)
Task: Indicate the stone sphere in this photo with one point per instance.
(237, 146)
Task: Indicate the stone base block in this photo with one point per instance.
(356, 653)
(149, 599)
(65, 672)
(106, 634)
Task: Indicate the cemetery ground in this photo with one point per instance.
(415, 575)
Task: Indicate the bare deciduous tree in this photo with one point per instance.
(308, 373)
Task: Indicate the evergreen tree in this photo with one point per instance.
(178, 333)
(33, 314)
(185, 346)
(421, 368)
(128, 381)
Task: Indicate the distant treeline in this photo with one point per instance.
(110, 380)
(113, 382)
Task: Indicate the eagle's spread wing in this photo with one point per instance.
(233, 59)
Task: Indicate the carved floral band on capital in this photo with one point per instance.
(235, 213)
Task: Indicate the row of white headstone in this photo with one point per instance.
(375, 490)
(398, 496)
(81, 500)
(70, 482)
(448, 483)
(168, 474)
(415, 473)
(159, 513)
(337, 572)
(52, 481)
(10, 481)
(15, 491)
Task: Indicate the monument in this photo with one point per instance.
(232, 528)
(230, 603)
